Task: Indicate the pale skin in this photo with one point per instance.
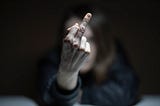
(75, 51)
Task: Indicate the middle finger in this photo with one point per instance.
(83, 24)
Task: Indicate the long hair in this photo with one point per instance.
(103, 37)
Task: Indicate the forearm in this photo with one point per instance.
(67, 80)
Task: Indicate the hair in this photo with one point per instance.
(102, 36)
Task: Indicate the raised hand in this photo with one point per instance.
(75, 47)
(75, 52)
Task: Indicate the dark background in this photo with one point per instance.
(29, 29)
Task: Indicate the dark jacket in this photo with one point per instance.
(120, 89)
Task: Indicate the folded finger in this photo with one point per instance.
(83, 43)
(72, 32)
(88, 48)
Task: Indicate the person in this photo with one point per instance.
(88, 65)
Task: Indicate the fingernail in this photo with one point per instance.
(89, 15)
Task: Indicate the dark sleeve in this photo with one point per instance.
(119, 90)
(50, 93)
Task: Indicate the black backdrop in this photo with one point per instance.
(29, 29)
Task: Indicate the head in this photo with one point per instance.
(98, 34)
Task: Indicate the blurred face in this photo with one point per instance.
(89, 35)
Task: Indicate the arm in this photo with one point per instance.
(75, 52)
(60, 84)
(50, 92)
(119, 90)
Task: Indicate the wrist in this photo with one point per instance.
(67, 80)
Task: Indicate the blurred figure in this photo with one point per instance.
(88, 65)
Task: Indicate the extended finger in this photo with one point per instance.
(85, 21)
(83, 25)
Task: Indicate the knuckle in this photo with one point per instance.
(82, 27)
(77, 27)
(87, 52)
(81, 50)
(67, 40)
(75, 45)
